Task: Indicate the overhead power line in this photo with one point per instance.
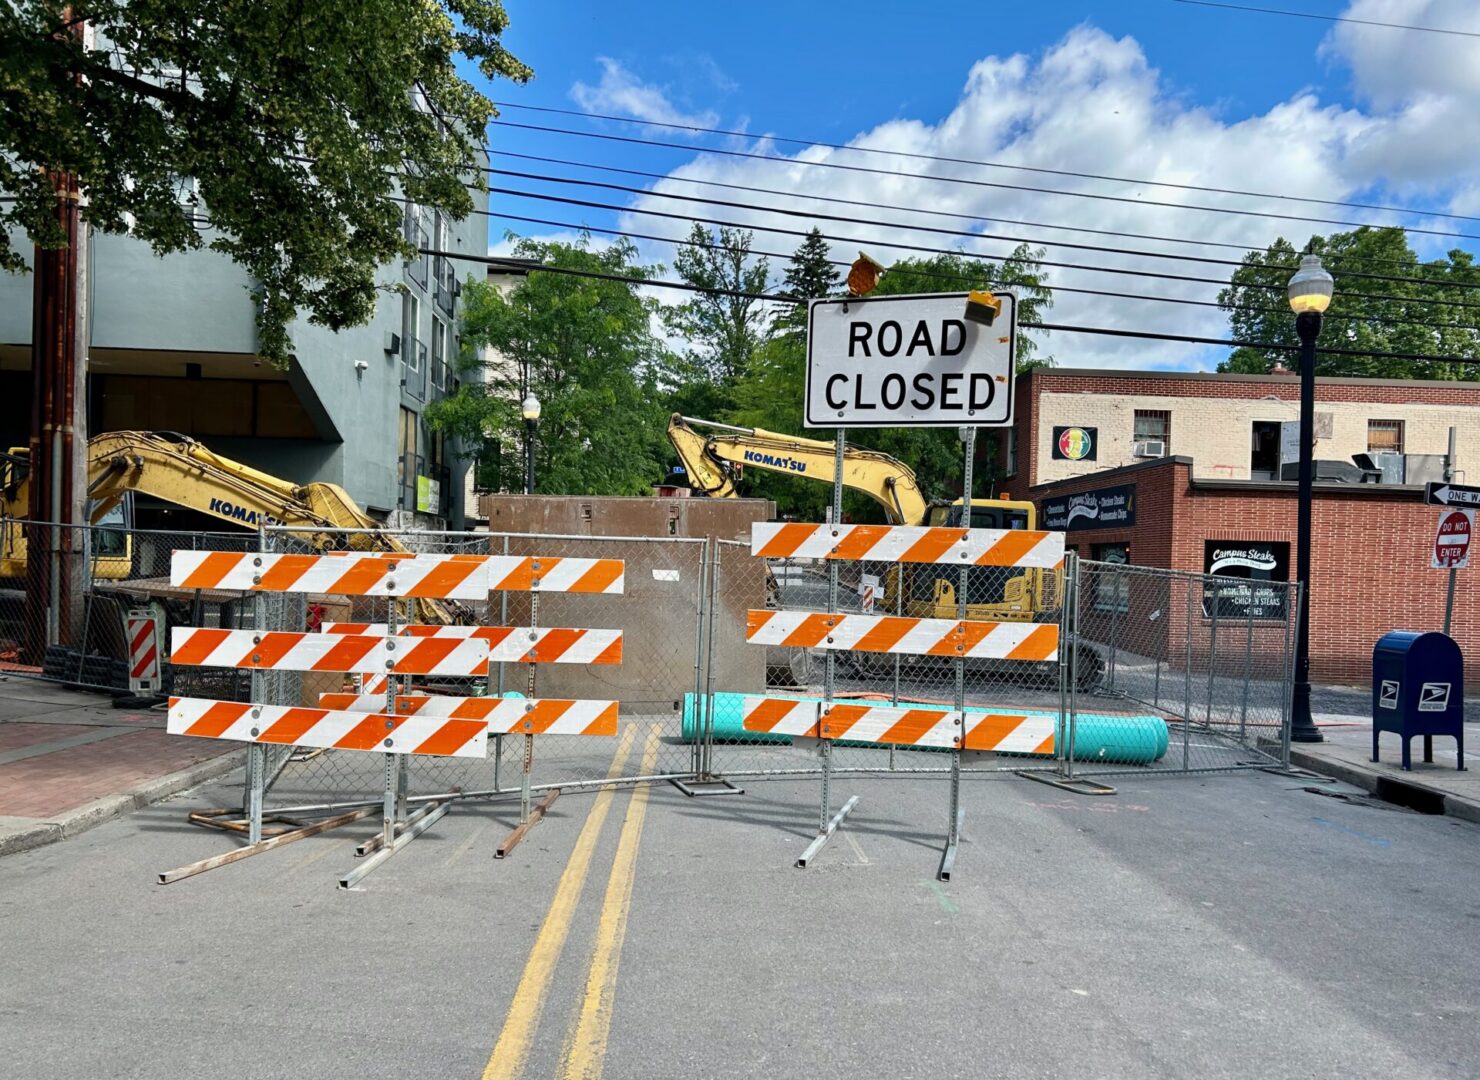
(898, 245)
(634, 279)
(982, 163)
(940, 230)
(972, 182)
(1330, 259)
(1329, 18)
(973, 282)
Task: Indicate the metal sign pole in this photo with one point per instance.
(953, 822)
(1449, 596)
(392, 768)
(826, 825)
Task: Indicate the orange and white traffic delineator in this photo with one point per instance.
(504, 716)
(143, 652)
(292, 651)
(335, 729)
(515, 644)
(921, 726)
(954, 638)
(378, 573)
(1022, 548)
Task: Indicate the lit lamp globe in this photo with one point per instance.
(1311, 287)
(530, 408)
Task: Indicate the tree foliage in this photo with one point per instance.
(1363, 308)
(723, 328)
(295, 122)
(589, 355)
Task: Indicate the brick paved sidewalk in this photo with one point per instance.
(69, 760)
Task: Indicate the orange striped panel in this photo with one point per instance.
(452, 736)
(369, 733)
(768, 714)
(787, 539)
(217, 718)
(198, 646)
(600, 577)
(885, 634)
(444, 578)
(855, 544)
(1010, 549)
(990, 731)
(1038, 645)
(212, 569)
(933, 545)
(291, 726)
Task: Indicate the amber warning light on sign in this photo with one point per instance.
(909, 361)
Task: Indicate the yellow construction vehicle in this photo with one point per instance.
(713, 462)
(179, 470)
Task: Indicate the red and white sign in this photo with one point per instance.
(1452, 543)
(143, 652)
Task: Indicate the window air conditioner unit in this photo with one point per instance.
(1150, 448)
(392, 343)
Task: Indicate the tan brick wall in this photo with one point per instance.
(1217, 432)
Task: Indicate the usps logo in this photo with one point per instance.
(1433, 697)
(1387, 697)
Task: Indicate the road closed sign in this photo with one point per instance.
(1452, 542)
(909, 361)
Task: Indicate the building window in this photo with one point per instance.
(1384, 436)
(1153, 433)
(1010, 468)
(410, 465)
(411, 340)
(1112, 586)
(439, 353)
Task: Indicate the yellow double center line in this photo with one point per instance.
(585, 1050)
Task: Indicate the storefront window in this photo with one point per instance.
(1112, 590)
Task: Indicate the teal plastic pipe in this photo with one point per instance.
(1124, 740)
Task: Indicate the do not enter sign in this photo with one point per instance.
(1452, 543)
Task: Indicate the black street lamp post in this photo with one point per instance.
(1310, 294)
(530, 407)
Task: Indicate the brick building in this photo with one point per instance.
(1204, 501)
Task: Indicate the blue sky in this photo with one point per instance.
(1143, 89)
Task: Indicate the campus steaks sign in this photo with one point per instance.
(1107, 508)
(1257, 571)
(909, 361)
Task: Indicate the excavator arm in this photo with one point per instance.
(709, 461)
(179, 470)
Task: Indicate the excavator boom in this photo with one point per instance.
(710, 459)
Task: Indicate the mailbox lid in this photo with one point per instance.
(1417, 672)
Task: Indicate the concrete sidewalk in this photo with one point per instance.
(1436, 787)
(69, 761)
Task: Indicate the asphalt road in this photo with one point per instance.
(1230, 926)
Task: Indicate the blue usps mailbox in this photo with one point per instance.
(1418, 689)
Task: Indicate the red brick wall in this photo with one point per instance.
(1370, 559)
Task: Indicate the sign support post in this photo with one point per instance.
(827, 826)
(953, 825)
(1449, 596)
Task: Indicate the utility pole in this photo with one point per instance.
(56, 395)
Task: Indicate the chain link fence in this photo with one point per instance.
(1161, 671)
(1209, 657)
(74, 630)
(660, 614)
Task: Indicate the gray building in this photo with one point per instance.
(173, 348)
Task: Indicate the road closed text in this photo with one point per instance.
(907, 361)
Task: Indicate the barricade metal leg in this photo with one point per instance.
(826, 826)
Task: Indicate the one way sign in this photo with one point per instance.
(1447, 494)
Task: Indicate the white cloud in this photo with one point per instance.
(1094, 103)
(622, 92)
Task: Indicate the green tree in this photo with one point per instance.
(1363, 308)
(590, 356)
(295, 121)
(723, 328)
(810, 274)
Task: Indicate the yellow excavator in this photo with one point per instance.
(177, 469)
(714, 461)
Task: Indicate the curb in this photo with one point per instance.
(92, 814)
(1372, 782)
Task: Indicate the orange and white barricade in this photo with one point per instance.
(962, 639)
(384, 654)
